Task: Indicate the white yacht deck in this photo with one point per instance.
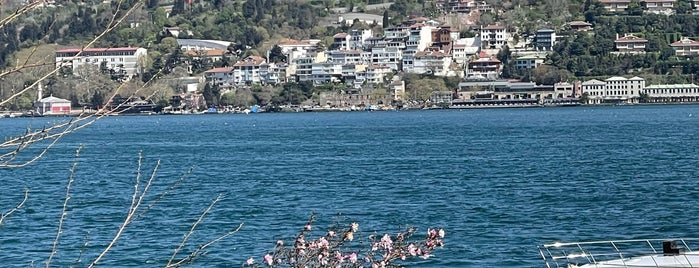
(642, 253)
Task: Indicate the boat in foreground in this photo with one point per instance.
(639, 253)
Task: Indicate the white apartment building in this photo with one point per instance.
(389, 56)
(672, 93)
(419, 39)
(434, 62)
(494, 36)
(348, 56)
(465, 48)
(302, 66)
(129, 60)
(222, 76)
(375, 74)
(613, 90)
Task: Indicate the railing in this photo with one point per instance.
(620, 253)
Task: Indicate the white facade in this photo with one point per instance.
(129, 60)
(389, 56)
(494, 37)
(613, 89)
(672, 93)
(348, 56)
(357, 38)
(436, 63)
(222, 77)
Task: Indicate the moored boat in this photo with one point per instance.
(639, 253)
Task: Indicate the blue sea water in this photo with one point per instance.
(499, 181)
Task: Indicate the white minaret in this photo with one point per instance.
(40, 89)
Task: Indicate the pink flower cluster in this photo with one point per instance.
(337, 248)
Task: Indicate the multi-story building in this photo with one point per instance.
(222, 76)
(419, 39)
(686, 47)
(247, 71)
(375, 74)
(672, 93)
(465, 48)
(388, 56)
(433, 62)
(354, 40)
(660, 6)
(544, 39)
(348, 56)
(594, 89)
(630, 44)
(650, 6)
(566, 90)
(126, 60)
(464, 6)
(530, 61)
(613, 90)
(301, 67)
(494, 36)
(444, 37)
(483, 66)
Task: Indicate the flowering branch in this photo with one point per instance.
(337, 248)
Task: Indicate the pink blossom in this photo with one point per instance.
(412, 250)
(354, 227)
(353, 257)
(338, 256)
(268, 259)
(250, 261)
(280, 243)
(307, 227)
(441, 233)
(331, 233)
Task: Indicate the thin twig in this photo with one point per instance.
(64, 211)
(17, 207)
(128, 220)
(198, 251)
(191, 230)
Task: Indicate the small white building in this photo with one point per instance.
(52, 106)
(494, 36)
(672, 93)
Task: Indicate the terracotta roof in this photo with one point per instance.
(340, 35)
(113, 49)
(220, 70)
(630, 38)
(685, 42)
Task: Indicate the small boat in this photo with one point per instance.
(639, 253)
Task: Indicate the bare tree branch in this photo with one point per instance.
(64, 211)
(18, 206)
(197, 252)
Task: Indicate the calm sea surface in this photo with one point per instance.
(499, 182)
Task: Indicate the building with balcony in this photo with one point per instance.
(483, 66)
(432, 62)
(544, 39)
(494, 36)
(686, 47)
(650, 6)
(222, 76)
(530, 61)
(630, 44)
(127, 60)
